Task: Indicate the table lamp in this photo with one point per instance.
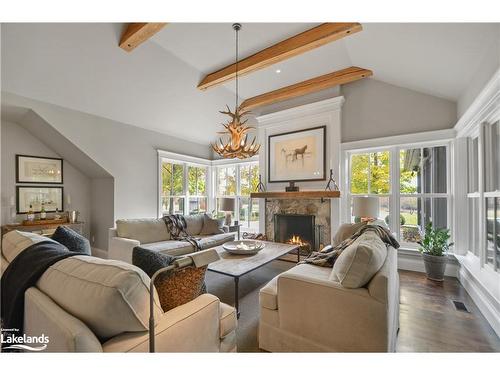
(366, 208)
(198, 259)
(227, 205)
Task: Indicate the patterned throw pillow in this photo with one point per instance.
(212, 226)
(74, 241)
(176, 287)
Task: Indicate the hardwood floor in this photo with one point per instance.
(429, 321)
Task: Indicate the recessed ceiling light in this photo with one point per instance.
(278, 71)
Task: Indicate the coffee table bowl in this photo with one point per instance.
(237, 247)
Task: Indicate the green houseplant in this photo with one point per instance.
(434, 246)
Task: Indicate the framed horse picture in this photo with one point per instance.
(296, 156)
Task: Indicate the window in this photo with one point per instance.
(411, 183)
(473, 195)
(423, 190)
(183, 188)
(238, 181)
(491, 156)
(197, 189)
(370, 175)
(172, 175)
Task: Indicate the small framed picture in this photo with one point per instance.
(50, 196)
(298, 155)
(40, 170)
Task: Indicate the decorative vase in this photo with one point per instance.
(435, 266)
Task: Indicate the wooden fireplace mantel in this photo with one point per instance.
(319, 194)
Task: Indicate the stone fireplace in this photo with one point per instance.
(307, 219)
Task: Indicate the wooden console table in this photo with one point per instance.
(45, 229)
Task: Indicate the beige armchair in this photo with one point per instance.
(306, 309)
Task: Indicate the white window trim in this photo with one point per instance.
(394, 144)
(211, 183)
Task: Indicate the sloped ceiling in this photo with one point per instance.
(437, 59)
(81, 67)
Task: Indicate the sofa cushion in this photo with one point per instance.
(109, 296)
(212, 226)
(14, 242)
(207, 242)
(74, 241)
(194, 224)
(143, 230)
(345, 231)
(176, 287)
(359, 262)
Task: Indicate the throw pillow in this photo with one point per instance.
(74, 241)
(175, 287)
(212, 226)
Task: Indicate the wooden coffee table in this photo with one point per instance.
(236, 266)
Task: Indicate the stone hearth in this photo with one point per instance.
(320, 209)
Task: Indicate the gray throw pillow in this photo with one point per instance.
(74, 241)
(212, 226)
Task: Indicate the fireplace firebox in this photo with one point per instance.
(296, 229)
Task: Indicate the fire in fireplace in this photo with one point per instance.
(295, 229)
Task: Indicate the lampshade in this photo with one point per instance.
(365, 207)
(226, 204)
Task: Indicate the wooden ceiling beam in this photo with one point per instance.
(137, 33)
(296, 45)
(323, 82)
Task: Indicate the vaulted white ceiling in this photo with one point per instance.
(439, 59)
(81, 67)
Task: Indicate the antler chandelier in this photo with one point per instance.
(237, 146)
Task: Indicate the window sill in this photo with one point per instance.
(413, 252)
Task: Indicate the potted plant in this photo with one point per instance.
(434, 245)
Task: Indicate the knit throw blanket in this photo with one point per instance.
(329, 254)
(176, 225)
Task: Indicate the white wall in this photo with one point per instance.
(101, 211)
(127, 153)
(17, 140)
(375, 109)
(325, 112)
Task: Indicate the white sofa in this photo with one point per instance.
(311, 309)
(153, 234)
(88, 304)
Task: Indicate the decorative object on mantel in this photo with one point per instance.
(313, 194)
(291, 187)
(260, 186)
(434, 247)
(40, 170)
(298, 155)
(332, 184)
(238, 145)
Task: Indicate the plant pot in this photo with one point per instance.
(435, 266)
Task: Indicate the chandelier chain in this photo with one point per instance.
(237, 39)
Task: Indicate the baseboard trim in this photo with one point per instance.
(481, 298)
(99, 253)
(412, 261)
